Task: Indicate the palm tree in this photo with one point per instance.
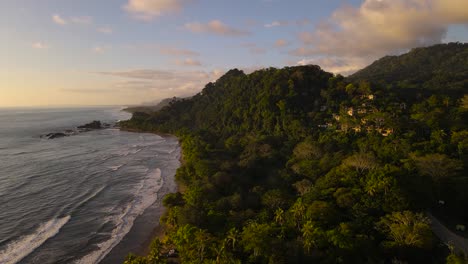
(220, 253)
(279, 216)
(202, 239)
(232, 237)
(298, 211)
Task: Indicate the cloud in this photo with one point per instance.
(177, 52)
(382, 27)
(336, 65)
(83, 20)
(39, 45)
(142, 74)
(276, 24)
(58, 20)
(215, 27)
(105, 30)
(77, 20)
(188, 62)
(163, 83)
(281, 43)
(147, 10)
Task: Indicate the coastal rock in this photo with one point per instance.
(93, 125)
(55, 135)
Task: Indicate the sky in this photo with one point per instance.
(126, 52)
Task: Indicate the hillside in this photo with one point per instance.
(152, 107)
(296, 165)
(440, 67)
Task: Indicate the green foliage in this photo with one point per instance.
(443, 66)
(456, 259)
(297, 165)
(406, 229)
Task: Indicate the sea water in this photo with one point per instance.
(74, 199)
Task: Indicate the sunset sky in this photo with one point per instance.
(120, 52)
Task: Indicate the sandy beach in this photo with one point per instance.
(146, 226)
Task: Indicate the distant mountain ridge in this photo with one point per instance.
(152, 107)
(443, 66)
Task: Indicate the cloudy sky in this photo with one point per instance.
(119, 52)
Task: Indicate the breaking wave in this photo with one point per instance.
(22, 247)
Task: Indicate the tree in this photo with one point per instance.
(232, 237)
(406, 229)
(437, 166)
(275, 199)
(155, 255)
(257, 238)
(322, 212)
(361, 162)
(312, 236)
(453, 258)
(298, 211)
(303, 186)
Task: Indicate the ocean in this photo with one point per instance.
(74, 199)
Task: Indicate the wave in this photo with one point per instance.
(146, 195)
(88, 198)
(115, 168)
(126, 152)
(19, 249)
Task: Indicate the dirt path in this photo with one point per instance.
(459, 243)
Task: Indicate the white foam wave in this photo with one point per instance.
(135, 151)
(115, 168)
(89, 197)
(146, 195)
(22, 247)
(126, 152)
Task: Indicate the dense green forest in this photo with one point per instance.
(297, 165)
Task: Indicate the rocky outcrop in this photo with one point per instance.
(95, 125)
(55, 135)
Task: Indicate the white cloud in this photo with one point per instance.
(214, 27)
(336, 65)
(58, 20)
(77, 20)
(276, 24)
(164, 83)
(382, 27)
(39, 45)
(149, 9)
(105, 30)
(188, 62)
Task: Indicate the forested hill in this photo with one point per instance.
(270, 101)
(439, 67)
(297, 165)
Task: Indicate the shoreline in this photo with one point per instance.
(147, 226)
(159, 231)
(164, 135)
